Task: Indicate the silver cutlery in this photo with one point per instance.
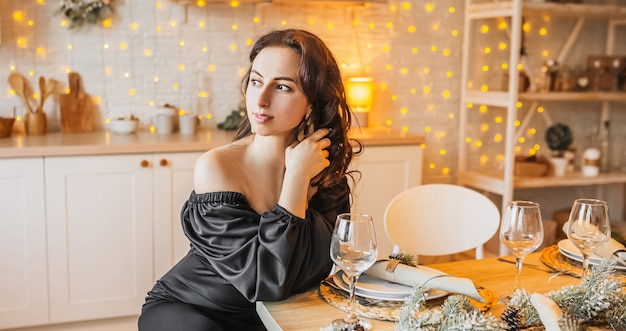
(547, 269)
(617, 255)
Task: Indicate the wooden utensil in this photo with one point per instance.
(51, 85)
(19, 84)
(42, 92)
(76, 107)
(46, 87)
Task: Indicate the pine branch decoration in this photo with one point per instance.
(571, 323)
(460, 314)
(456, 314)
(79, 11)
(598, 300)
(528, 313)
(512, 318)
(411, 308)
(404, 258)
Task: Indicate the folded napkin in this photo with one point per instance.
(612, 248)
(549, 312)
(434, 279)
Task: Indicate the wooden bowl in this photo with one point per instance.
(6, 127)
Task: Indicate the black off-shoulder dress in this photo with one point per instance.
(238, 257)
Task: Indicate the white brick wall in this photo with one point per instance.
(409, 84)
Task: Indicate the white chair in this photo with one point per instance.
(440, 219)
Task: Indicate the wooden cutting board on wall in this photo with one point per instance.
(76, 107)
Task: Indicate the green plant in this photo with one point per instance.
(79, 11)
(559, 138)
(232, 121)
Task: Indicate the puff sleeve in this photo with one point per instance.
(269, 256)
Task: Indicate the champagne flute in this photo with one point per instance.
(353, 248)
(522, 231)
(588, 227)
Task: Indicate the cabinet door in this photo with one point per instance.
(173, 182)
(23, 285)
(386, 171)
(99, 214)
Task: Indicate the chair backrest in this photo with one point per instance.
(440, 219)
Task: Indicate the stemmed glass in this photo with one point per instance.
(522, 231)
(354, 249)
(588, 227)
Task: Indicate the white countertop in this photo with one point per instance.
(104, 142)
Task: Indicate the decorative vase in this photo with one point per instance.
(559, 166)
(591, 162)
(35, 123)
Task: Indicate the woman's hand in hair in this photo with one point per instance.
(310, 156)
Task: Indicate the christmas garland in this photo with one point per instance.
(598, 300)
(79, 12)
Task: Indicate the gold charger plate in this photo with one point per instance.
(552, 257)
(387, 310)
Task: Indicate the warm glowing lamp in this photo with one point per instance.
(360, 95)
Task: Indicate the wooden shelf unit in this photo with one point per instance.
(502, 181)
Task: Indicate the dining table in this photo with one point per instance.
(496, 275)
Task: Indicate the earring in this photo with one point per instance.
(306, 127)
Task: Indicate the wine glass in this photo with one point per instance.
(353, 248)
(588, 227)
(522, 231)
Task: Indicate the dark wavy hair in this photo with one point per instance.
(322, 85)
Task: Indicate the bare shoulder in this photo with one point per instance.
(218, 170)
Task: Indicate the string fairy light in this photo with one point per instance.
(434, 65)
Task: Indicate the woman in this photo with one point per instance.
(263, 209)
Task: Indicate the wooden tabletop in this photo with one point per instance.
(307, 311)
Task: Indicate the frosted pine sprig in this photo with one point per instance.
(599, 299)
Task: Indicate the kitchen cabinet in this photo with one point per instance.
(24, 288)
(173, 183)
(501, 180)
(99, 221)
(112, 228)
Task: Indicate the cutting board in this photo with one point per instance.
(76, 107)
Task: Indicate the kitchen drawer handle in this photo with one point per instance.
(163, 162)
(145, 163)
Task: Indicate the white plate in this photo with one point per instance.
(339, 277)
(567, 248)
(377, 285)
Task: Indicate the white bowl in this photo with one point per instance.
(123, 125)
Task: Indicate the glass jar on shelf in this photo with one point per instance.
(617, 64)
(550, 68)
(564, 80)
(599, 77)
(582, 78)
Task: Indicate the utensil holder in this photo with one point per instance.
(35, 123)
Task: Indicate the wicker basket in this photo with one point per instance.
(6, 126)
(531, 166)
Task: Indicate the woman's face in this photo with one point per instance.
(274, 99)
